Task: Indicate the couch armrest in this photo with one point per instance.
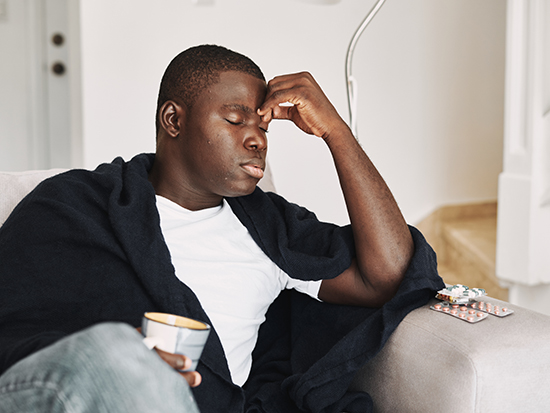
(14, 186)
(434, 362)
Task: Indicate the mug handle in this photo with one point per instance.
(152, 342)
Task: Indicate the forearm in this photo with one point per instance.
(383, 241)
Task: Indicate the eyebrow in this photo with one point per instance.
(242, 108)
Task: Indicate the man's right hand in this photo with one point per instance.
(181, 362)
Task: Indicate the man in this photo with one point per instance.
(186, 231)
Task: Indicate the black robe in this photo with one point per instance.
(86, 247)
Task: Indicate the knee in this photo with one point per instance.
(105, 365)
(105, 344)
(79, 361)
(106, 335)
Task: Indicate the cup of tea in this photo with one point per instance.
(175, 334)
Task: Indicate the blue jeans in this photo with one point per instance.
(105, 368)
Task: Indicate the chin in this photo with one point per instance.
(241, 190)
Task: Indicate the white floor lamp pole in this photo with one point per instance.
(350, 80)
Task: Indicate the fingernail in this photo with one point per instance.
(180, 363)
(196, 380)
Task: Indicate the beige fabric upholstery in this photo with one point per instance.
(15, 185)
(437, 363)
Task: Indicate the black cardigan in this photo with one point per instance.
(86, 247)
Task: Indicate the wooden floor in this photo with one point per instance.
(464, 238)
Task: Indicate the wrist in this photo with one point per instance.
(338, 136)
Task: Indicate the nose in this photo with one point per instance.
(256, 140)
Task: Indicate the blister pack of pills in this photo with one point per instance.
(460, 294)
(490, 308)
(464, 312)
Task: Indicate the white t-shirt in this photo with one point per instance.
(235, 282)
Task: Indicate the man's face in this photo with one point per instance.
(223, 140)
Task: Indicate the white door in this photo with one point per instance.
(523, 236)
(35, 84)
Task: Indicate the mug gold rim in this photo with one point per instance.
(181, 321)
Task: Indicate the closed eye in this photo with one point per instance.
(242, 123)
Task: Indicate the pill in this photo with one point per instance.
(474, 305)
(446, 309)
(437, 306)
(472, 311)
(470, 318)
(462, 315)
(454, 311)
(480, 314)
(455, 305)
(504, 309)
(463, 309)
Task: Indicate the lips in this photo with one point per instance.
(253, 170)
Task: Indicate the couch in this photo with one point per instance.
(433, 362)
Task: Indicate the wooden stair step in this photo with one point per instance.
(476, 237)
(470, 252)
(449, 275)
(464, 238)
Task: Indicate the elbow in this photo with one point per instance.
(388, 279)
(385, 291)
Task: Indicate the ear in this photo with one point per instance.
(171, 117)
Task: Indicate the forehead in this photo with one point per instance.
(234, 90)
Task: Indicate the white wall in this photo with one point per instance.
(431, 75)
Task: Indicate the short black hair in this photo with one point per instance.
(196, 68)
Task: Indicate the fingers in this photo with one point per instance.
(291, 88)
(176, 361)
(309, 107)
(275, 112)
(291, 81)
(193, 378)
(181, 362)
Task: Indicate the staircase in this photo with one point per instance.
(464, 238)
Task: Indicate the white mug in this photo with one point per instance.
(175, 334)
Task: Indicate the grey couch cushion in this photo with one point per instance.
(434, 362)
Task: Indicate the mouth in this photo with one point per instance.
(255, 171)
